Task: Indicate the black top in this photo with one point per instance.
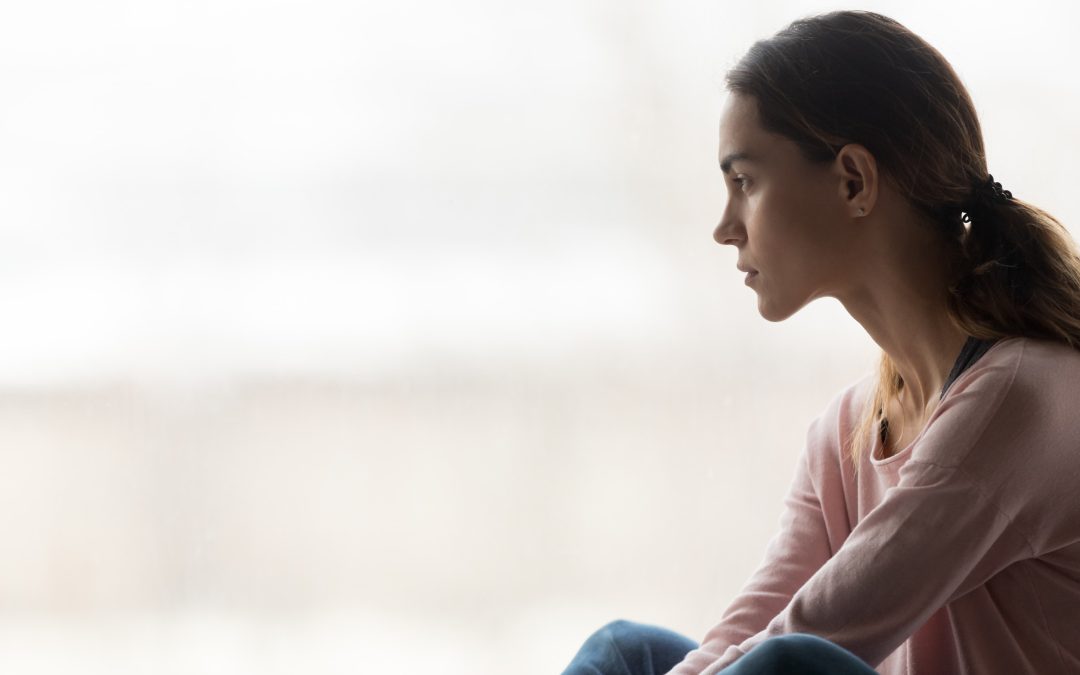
(969, 354)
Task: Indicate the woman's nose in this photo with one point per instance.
(725, 234)
(729, 230)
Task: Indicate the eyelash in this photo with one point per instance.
(741, 182)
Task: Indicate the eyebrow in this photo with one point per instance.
(725, 163)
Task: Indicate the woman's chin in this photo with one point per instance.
(773, 311)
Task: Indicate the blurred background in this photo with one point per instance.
(391, 337)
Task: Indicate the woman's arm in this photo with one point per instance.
(935, 537)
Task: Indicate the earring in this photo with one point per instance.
(862, 211)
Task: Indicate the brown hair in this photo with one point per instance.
(860, 77)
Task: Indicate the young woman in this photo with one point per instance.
(933, 524)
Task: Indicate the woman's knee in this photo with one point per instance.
(652, 642)
(792, 646)
(802, 650)
(615, 635)
(622, 629)
(629, 647)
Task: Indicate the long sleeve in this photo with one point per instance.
(939, 533)
(934, 538)
(794, 553)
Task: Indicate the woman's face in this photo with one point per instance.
(788, 217)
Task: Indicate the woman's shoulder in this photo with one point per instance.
(1031, 352)
(1032, 369)
(1022, 388)
(1047, 374)
(1042, 353)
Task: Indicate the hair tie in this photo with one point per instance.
(984, 194)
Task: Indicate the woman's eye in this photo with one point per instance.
(740, 181)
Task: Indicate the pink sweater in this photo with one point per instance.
(959, 554)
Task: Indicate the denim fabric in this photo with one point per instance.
(630, 648)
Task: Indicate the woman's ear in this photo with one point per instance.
(858, 179)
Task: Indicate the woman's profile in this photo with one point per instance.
(933, 523)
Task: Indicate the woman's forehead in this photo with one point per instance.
(739, 114)
(740, 131)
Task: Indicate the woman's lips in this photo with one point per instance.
(749, 276)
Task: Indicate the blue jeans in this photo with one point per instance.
(629, 648)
